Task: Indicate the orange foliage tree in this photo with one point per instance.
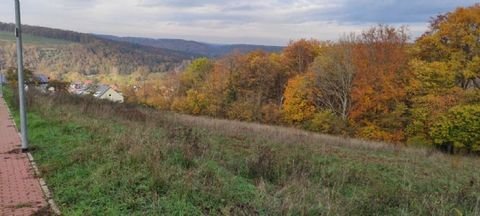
(379, 93)
(300, 54)
(256, 84)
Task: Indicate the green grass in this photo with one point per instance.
(31, 39)
(99, 161)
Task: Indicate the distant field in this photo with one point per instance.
(30, 39)
(101, 158)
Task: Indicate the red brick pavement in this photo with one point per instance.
(20, 191)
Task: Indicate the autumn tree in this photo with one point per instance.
(300, 54)
(196, 73)
(446, 71)
(458, 130)
(256, 83)
(379, 93)
(299, 104)
(217, 87)
(189, 98)
(229, 68)
(433, 92)
(130, 94)
(453, 39)
(161, 91)
(334, 73)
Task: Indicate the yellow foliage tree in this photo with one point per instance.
(299, 97)
(446, 70)
(453, 39)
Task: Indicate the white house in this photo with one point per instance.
(108, 93)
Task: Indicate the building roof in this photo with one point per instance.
(41, 78)
(100, 90)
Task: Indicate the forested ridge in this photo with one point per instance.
(376, 85)
(88, 54)
(194, 47)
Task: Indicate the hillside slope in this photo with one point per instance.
(101, 158)
(205, 49)
(84, 54)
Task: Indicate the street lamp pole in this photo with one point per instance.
(1, 82)
(21, 82)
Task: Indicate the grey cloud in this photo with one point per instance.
(178, 3)
(229, 18)
(302, 11)
(75, 4)
(387, 11)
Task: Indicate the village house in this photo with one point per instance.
(42, 81)
(100, 91)
(108, 93)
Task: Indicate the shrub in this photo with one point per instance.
(326, 122)
(242, 110)
(271, 114)
(194, 103)
(263, 164)
(459, 129)
(374, 132)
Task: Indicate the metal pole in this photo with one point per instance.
(1, 82)
(21, 82)
(144, 91)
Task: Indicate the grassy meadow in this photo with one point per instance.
(100, 158)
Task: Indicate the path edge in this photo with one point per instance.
(46, 191)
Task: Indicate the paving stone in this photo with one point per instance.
(20, 191)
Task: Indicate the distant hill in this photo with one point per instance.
(59, 52)
(194, 47)
(67, 54)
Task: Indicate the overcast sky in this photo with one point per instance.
(272, 22)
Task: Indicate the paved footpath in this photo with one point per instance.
(20, 191)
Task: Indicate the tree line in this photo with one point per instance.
(375, 85)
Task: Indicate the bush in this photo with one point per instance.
(327, 122)
(271, 114)
(374, 132)
(242, 110)
(194, 103)
(459, 129)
